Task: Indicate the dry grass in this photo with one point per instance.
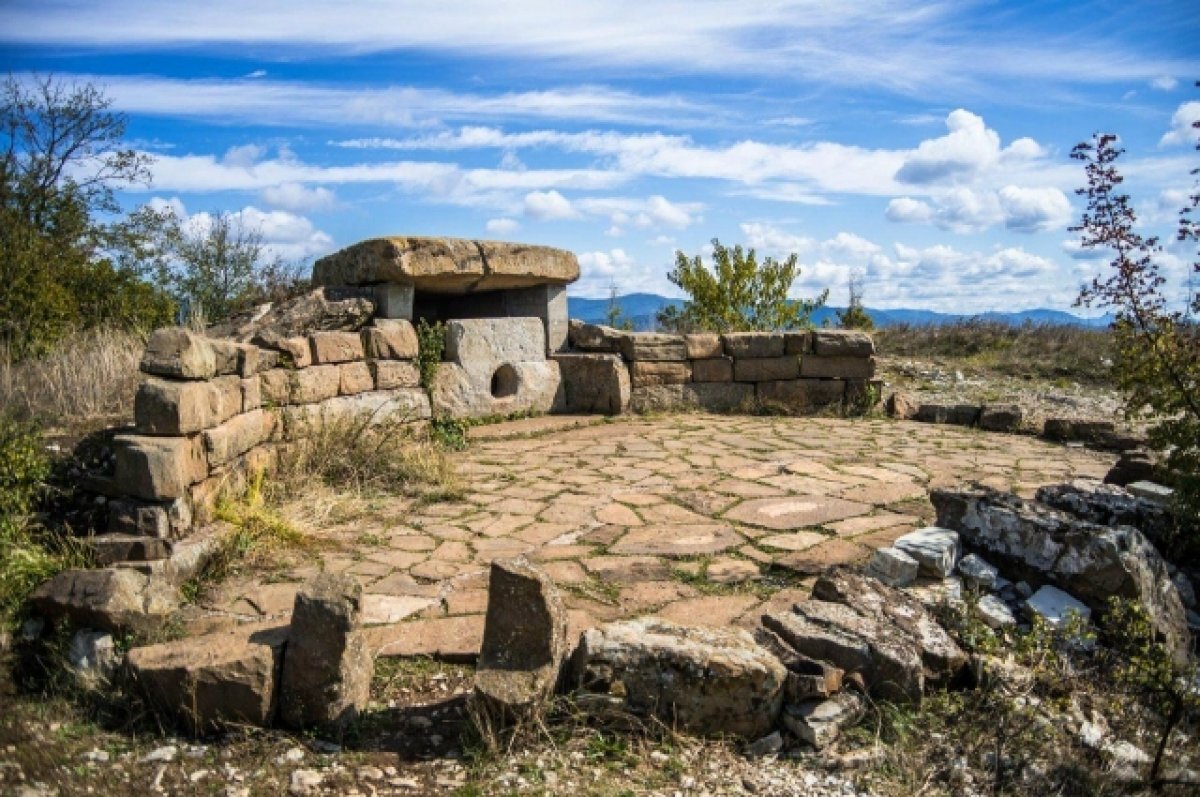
(91, 375)
(1042, 350)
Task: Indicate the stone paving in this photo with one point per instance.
(701, 519)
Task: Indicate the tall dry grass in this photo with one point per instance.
(1044, 350)
(90, 375)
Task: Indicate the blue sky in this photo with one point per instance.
(924, 144)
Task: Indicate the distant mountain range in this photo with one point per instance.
(642, 307)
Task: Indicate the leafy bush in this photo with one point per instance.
(1158, 348)
(740, 294)
(431, 343)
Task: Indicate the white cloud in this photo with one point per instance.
(1075, 249)
(549, 206)
(773, 241)
(289, 236)
(296, 197)
(1181, 131)
(907, 209)
(1164, 83)
(1034, 209)
(502, 226)
(899, 45)
(243, 156)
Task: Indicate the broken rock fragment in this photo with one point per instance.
(703, 680)
(328, 668)
(524, 639)
(819, 722)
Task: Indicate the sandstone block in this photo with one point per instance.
(842, 343)
(594, 383)
(653, 346)
(158, 468)
(251, 393)
(179, 353)
(903, 406)
(392, 374)
(112, 599)
(515, 388)
(390, 339)
(524, 639)
(295, 351)
(253, 360)
(797, 342)
(594, 337)
(109, 549)
(703, 680)
(954, 414)
(336, 347)
(644, 373)
(754, 345)
(327, 672)
(548, 304)
(226, 353)
(310, 385)
(712, 396)
(168, 407)
(237, 436)
(1000, 417)
(802, 395)
(703, 346)
(354, 377)
(719, 369)
(276, 386)
(215, 680)
(818, 367)
(408, 404)
(1073, 429)
(447, 265)
(481, 345)
(768, 369)
(169, 520)
(935, 549)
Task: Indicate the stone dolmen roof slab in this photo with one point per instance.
(446, 265)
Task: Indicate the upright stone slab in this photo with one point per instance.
(594, 383)
(328, 667)
(548, 304)
(524, 640)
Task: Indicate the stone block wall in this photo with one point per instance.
(797, 371)
(210, 411)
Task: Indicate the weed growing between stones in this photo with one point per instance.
(257, 534)
(369, 453)
(431, 343)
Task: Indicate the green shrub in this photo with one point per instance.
(431, 343)
(24, 467)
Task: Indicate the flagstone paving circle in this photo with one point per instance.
(632, 516)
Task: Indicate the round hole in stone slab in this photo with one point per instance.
(505, 382)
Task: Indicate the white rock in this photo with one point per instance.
(893, 567)
(995, 613)
(96, 756)
(1151, 491)
(164, 754)
(92, 650)
(819, 722)
(305, 782)
(1125, 753)
(1091, 735)
(1055, 607)
(293, 756)
(978, 573)
(935, 549)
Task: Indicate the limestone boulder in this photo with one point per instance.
(326, 679)
(446, 265)
(703, 680)
(110, 599)
(893, 567)
(943, 660)
(1108, 505)
(215, 680)
(594, 383)
(524, 640)
(935, 549)
(1042, 545)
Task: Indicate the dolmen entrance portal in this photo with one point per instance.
(504, 306)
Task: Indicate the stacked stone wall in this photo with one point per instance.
(798, 371)
(210, 411)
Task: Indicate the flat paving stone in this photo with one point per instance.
(451, 639)
(796, 541)
(715, 610)
(379, 609)
(795, 512)
(690, 540)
